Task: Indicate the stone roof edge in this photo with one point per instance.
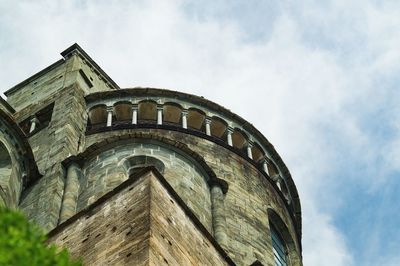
(7, 105)
(216, 107)
(33, 77)
(75, 48)
(139, 175)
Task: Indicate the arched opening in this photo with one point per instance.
(114, 160)
(195, 119)
(172, 113)
(272, 169)
(123, 112)
(5, 176)
(284, 189)
(283, 246)
(136, 163)
(147, 112)
(257, 152)
(218, 127)
(239, 140)
(98, 115)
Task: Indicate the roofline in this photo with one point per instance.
(73, 49)
(7, 105)
(32, 78)
(138, 91)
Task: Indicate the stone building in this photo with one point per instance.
(143, 176)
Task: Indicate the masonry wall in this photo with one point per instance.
(38, 89)
(138, 223)
(246, 203)
(50, 146)
(107, 170)
(63, 74)
(11, 170)
(245, 207)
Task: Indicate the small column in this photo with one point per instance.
(71, 189)
(279, 183)
(229, 132)
(208, 126)
(218, 213)
(159, 114)
(249, 146)
(34, 123)
(277, 180)
(134, 114)
(265, 165)
(184, 118)
(109, 115)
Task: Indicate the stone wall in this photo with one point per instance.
(62, 74)
(153, 230)
(246, 203)
(59, 140)
(108, 169)
(38, 89)
(11, 171)
(138, 223)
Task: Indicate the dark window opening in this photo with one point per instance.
(137, 163)
(41, 119)
(278, 248)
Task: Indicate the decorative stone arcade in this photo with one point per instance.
(168, 112)
(151, 176)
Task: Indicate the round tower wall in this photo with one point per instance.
(246, 203)
(111, 167)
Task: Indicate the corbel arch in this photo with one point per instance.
(98, 114)
(172, 112)
(218, 127)
(239, 139)
(147, 111)
(123, 111)
(196, 118)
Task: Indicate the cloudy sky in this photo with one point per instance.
(319, 78)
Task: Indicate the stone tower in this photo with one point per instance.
(143, 176)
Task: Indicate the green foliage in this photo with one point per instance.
(22, 243)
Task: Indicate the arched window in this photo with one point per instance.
(278, 247)
(5, 176)
(285, 249)
(136, 163)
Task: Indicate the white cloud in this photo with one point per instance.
(298, 91)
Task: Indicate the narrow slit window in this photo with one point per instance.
(278, 248)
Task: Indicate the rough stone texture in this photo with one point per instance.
(238, 216)
(106, 170)
(10, 173)
(60, 75)
(246, 203)
(140, 224)
(60, 139)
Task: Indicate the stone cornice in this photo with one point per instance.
(201, 101)
(35, 76)
(76, 49)
(73, 49)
